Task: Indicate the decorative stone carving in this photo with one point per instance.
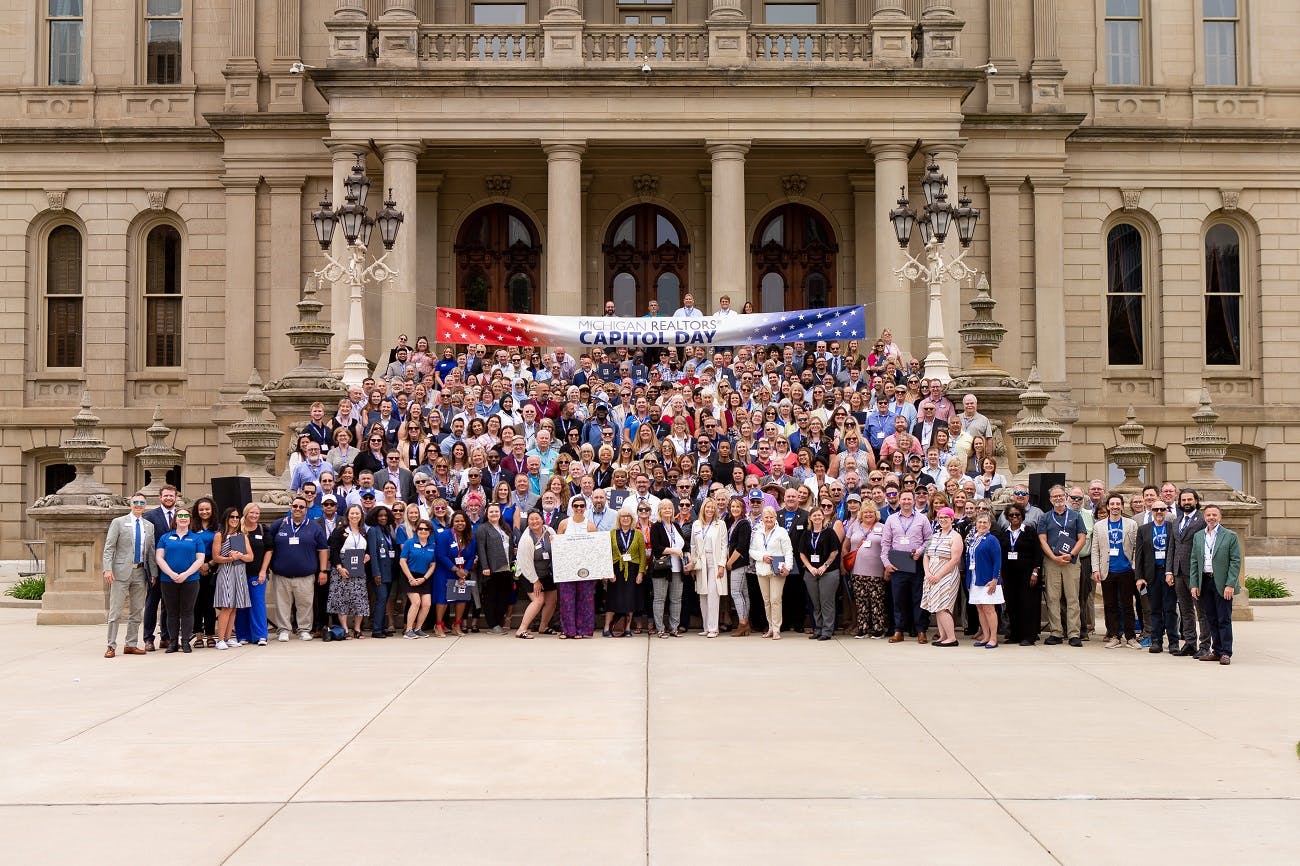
(1131, 198)
(1034, 434)
(1230, 198)
(794, 184)
(158, 457)
(292, 395)
(1130, 455)
(157, 200)
(56, 198)
(645, 185)
(256, 440)
(497, 184)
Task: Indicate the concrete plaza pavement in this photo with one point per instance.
(488, 750)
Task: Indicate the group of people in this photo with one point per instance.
(759, 490)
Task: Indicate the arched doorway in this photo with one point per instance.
(498, 261)
(794, 260)
(646, 252)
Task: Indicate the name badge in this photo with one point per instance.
(293, 540)
(419, 547)
(1066, 547)
(1160, 556)
(1013, 555)
(880, 434)
(903, 543)
(460, 560)
(545, 555)
(814, 559)
(627, 557)
(1114, 551)
(866, 544)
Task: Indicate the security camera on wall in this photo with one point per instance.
(989, 69)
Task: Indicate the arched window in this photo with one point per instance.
(63, 297)
(646, 252)
(1223, 300)
(794, 260)
(497, 259)
(162, 297)
(1125, 293)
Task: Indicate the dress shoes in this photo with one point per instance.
(164, 644)
(171, 649)
(149, 646)
(1026, 643)
(109, 653)
(1210, 657)
(922, 638)
(897, 637)
(133, 651)
(1187, 650)
(1052, 640)
(1074, 641)
(1156, 648)
(1225, 660)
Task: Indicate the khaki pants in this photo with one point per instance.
(772, 585)
(288, 592)
(130, 591)
(1062, 578)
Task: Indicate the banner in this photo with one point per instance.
(581, 557)
(517, 329)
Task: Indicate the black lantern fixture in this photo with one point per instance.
(933, 183)
(941, 215)
(966, 217)
(367, 227)
(325, 221)
(904, 218)
(390, 221)
(926, 225)
(351, 216)
(357, 183)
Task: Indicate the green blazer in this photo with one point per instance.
(1227, 560)
(623, 570)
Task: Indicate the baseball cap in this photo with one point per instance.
(853, 497)
(329, 497)
(368, 494)
(755, 496)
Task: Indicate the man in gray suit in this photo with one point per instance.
(399, 474)
(128, 558)
(1191, 616)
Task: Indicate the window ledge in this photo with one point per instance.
(1139, 104)
(56, 387)
(1220, 104)
(1234, 386)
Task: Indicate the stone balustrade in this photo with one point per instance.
(482, 45)
(811, 44)
(661, 43)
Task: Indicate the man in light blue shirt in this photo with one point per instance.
(688, 310)
(545, 453)
(879, 424)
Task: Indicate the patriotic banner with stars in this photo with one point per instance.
(516, 329)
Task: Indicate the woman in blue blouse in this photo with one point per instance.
(984, 582)
(382, 547)
(418, 562)
(179, 556)
(455, 562)
(203, 523)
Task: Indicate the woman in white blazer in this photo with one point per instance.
(709, 556)
(772, 554)
(533, 562)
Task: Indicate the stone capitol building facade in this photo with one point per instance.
(1136, 162)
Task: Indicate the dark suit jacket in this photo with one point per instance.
(155, 517)
(492, 554)
(916, 432)
(1180, 545)
(405, 482)
(1145, 566)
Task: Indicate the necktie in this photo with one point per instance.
(171, 520)
(137, 541)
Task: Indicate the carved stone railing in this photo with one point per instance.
(514, 45)
(648, 44)
(826, 44)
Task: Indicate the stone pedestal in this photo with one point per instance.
(728, 34)
(158, 457)
(256, 440)
(291, 397)
(399, 35)
(1034, 434)
(1204, 448)
(349, 34)
(997, 390)
(562, 35)
(940, 34)
(891, 37)
(1130, 455)
(74, 522)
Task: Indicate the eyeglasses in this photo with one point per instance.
(982, 508)
(182, 514)
(138, 502)
(1157, 510)
(1021, 492)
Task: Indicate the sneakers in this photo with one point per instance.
(410, 635)
(1075, 642)
(261, 642)
(1146, 643)
(304, 635)
(1052, 640)
(284, 637)
(1113, 643)
(419, 632)
(222, 645)
(1132, 644)
(496, 629)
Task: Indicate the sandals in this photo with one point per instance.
(551, 631)
(524, 635)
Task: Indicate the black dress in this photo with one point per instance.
(621, 594)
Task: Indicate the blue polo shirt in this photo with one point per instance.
(300, 559)
(179, 552)
(1115, 536)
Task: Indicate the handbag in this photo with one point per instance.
(662, 563)
(850, 558)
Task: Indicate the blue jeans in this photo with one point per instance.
(250, 622)
(905, 587)
(379, 612)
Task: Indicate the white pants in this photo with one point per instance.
(709, 603)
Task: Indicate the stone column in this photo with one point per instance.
(286, 266)
(1003, 88)
(286, 88)
(940, 32)
(729, 268)
(1003, 220)
(893, 308)
(1049, 279)
(427, 279)
(241, 67)
(864, 226)
(239, 304)
(562, 34)
(347, 29)
(343, 155)
(946, 155)
(401, 159)
(891, 35)
(563, 292)
(399, 34)
(1046, 74)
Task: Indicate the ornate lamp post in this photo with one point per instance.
(935, 221)
(358, 225)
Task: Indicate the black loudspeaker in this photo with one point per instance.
(231, 491)
(1039, 484)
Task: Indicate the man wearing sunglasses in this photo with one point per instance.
(128, 552)
(1151, 562)
(299, 558)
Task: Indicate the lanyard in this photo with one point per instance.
(816, 537)
(295, 530)
(1015, 536)
(767, 537)
(624, 540)
(1062, 522)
